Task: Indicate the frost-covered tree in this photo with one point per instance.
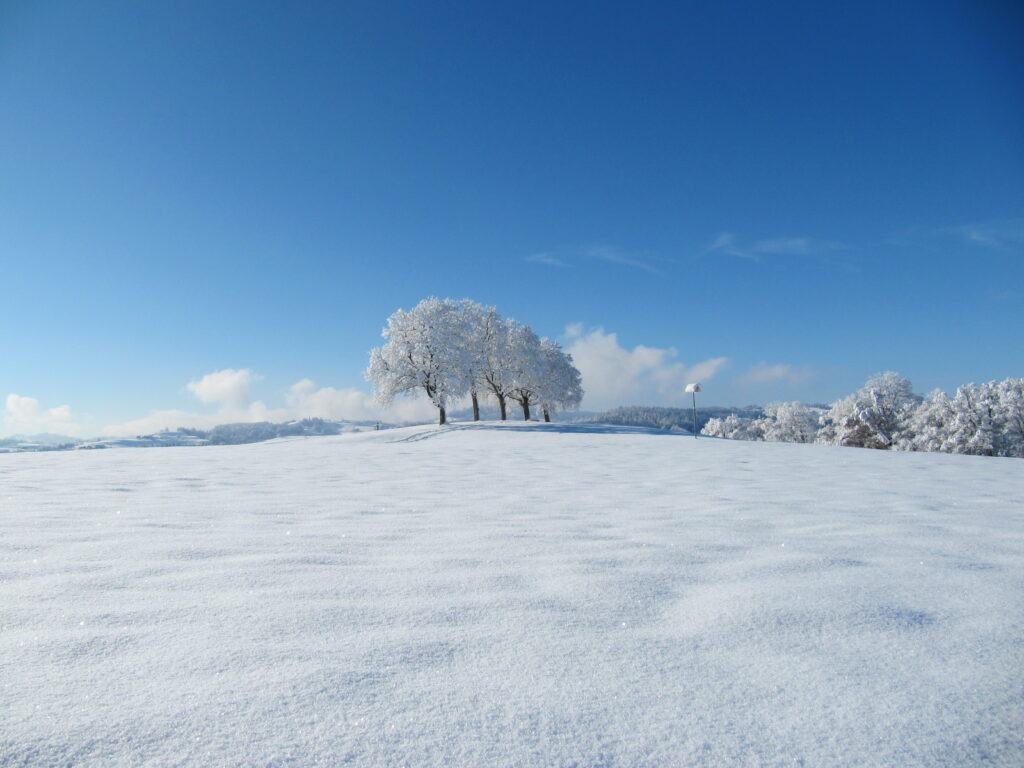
(448, 349)
(489, 356)
(980, 419)
(1010, 416)
(790, 423)
(874, 416)
(425, 351)
(927, 427)
(973, 427)
(561, 386)
(527, 369)
(839, 422)
(478, 324)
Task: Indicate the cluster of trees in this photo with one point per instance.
(448, 349)
(980, 419)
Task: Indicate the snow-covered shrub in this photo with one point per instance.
(781, 423)
(734, 427)
(714, 427)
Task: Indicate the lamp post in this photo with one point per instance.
(693, 389)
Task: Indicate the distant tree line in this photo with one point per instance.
(448, 349)
(664, 417)
(258, 431)
(979, 419)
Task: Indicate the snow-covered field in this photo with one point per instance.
(511, 595)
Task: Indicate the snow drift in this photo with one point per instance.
(510, 595)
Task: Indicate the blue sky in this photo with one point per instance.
(779, 198)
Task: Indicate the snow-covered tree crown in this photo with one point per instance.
(423, 352)
(447, 349)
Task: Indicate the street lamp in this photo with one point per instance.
(693, 389)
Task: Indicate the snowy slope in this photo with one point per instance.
(511, 595)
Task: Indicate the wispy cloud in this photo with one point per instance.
(726, 243)
(729, 244)
(1002, 234)
(614, 255)
(607, 253)
(547, 259)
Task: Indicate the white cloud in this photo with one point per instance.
(615, 256)
(230, 387)
(764, 373)
(22, 415)
(303, 400)
(613, 375)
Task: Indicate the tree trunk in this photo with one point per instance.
(526, 410)
(547, 415)
(443, 417)
(501, 405)
(476, 406)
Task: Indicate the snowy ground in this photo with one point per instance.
(511, 596)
